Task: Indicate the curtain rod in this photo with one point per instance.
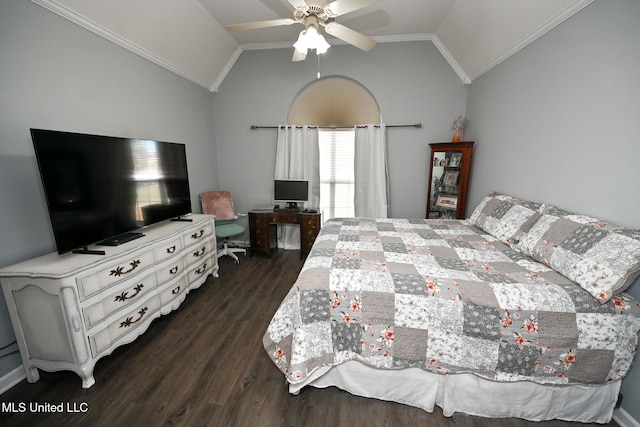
(417, 125)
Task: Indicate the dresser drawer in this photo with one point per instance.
(286, 218)
(115, 272)
(306, 244)
(310, 221)
(119, 298)
(199, 252)
(198, 235)
(259, 220)
(173, 290)
(259, 236)
(170, 270)
(168, 249)
(200, 270)
(134, 319)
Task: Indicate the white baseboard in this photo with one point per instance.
(623, 418)
(12, 378)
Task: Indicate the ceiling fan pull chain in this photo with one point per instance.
(318, 65)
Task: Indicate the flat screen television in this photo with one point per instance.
(103, 189)
(291, 191)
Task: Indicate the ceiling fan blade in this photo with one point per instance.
(298, 56)
(340, 7)
(348, 35)
(261, 24)
(299, 4)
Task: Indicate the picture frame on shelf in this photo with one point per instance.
(449, 202)
(450, 178)
(456, 159)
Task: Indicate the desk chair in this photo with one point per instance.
(220, 204)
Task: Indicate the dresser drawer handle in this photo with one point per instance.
(171, 250)
(174, 270)
(202, 269)
(129, 320)
(197, 235)
(125, 294)
(176, 290)
(200, 252)
(119, 271)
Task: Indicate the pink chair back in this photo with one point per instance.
(218, 203)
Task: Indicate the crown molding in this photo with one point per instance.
(69, 14)
(381, 39)
(76, 18)
(571, 10)
(225, 70)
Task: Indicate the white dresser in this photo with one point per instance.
(70, 310)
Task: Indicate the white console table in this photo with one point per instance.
(70, 310)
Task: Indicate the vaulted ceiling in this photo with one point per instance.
(190, 37)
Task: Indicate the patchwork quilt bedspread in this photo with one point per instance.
(448, 298)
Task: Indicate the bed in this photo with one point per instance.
(519, 311)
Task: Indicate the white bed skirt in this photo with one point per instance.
(469, 394)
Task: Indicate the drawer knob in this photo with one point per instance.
(129, 320)
(174, 270)
(200, 252)
(125, 294)
(119, 271)
(197, 235)
(202, 269)
(171, 250)
(176, 290)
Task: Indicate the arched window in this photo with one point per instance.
(335, 104)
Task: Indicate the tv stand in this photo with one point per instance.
(86, 251)
(68, 311)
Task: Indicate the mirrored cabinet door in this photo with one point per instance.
(450, 166)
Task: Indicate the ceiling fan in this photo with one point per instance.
(313, 15)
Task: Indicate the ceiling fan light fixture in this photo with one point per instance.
(321, 45)
(311, 39)
(301, 44)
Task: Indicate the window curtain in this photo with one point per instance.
(298, 157)
(370, 172)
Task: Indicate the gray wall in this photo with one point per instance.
(56, 75)
(555, 123)
(411, 82)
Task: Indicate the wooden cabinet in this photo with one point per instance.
(450, 168)
(263, 236)
(70, 310)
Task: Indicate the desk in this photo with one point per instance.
(261, 222)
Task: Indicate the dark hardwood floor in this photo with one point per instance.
(204, 365)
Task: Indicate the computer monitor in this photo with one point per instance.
(291, 191)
